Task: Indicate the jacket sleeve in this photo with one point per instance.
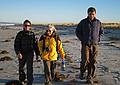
(101, 29)
(101, 32)
(17, 43)
(78, 31)
(61, 50)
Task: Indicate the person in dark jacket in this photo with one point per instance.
(25, 46)
(88, 32)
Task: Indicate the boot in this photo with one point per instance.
(82, 76)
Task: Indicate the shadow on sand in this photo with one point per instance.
(38, 79)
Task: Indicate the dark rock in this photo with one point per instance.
(4, 52)
(70, 71)
(6, 41)
(75, 67)
(6, 58)
(59, 77)
(66, 41)
(68, 58)
(12, 37)
(1, 69)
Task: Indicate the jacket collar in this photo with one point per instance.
(92, 20)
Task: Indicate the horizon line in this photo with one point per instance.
(53, 22)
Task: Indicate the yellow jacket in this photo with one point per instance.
(52, 54)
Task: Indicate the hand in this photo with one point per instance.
(20, 56)
(63, 62)
(63, 65)
(63, 58)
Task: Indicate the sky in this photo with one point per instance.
(57, 11)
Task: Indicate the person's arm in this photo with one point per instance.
(78, 31)
(17, 43)
(101, 32)
(61, 50)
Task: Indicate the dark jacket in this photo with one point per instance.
(89, 32)
(25, 43)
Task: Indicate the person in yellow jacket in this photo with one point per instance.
(49, 46)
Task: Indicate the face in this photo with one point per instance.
(92, 15)
(27, 26)
(49, 32)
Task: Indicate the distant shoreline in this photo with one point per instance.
(105, 25)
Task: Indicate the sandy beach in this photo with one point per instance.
(108, 59)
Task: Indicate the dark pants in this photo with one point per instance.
(88, 59)
(49, 70)
(28, 60)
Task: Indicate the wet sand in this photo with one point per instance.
(108, 65)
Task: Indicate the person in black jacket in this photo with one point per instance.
(25, 45)
(88, 32)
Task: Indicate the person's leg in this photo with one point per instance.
(30, 69)
(53, 67)
(93, 60)
(84, 59)
(89, 71)
(91, 65)
(22, 75)
(47, 71)
(93, 71)
(89, 78)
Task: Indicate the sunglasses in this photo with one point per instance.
(27, 25)
(49, 31)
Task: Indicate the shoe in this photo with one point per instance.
(48, 83)
(23, 83)
(89, 81)
(82, 76)
(93, 76)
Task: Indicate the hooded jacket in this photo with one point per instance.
(50, 51)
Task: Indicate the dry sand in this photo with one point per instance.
(108, 65)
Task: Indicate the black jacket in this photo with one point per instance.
(25, 43)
